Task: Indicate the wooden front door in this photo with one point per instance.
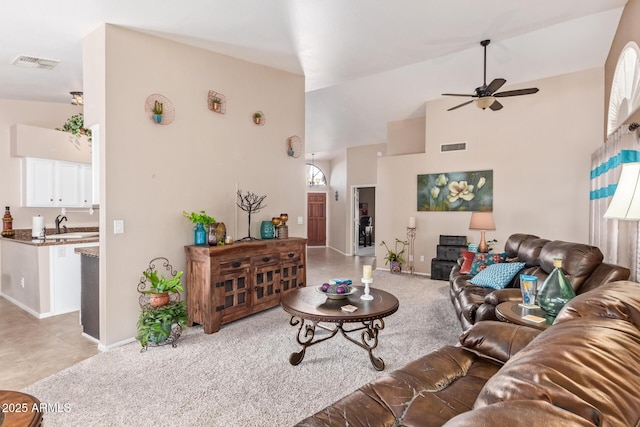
(317, 219)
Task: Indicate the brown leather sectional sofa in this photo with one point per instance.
(581, 371)
(582, 264)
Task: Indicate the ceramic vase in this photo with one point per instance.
(267, 230)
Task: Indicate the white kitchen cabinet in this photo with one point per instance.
(55, 183)
(64, 273)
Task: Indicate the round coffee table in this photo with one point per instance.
(308, 308)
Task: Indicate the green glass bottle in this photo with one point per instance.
(556, 291)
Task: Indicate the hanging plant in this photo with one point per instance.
(75, 125)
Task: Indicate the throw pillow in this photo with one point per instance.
(482, 260)
(468, 261)
(497, 276)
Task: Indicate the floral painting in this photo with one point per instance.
(456, 191)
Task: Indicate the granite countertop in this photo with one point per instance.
(24, 236)
(92, 251)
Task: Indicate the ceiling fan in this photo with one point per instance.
(486, 95)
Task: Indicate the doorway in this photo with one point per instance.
(364, 209)
(317, 219)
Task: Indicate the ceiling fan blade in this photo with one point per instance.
(495, 85)
(461, 105)
(516, 92)
(496, 106)
(456, 94)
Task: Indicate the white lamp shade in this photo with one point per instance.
(482, 221)
(625, 203)
(485, 102)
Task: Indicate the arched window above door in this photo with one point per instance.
(625, 87)
(315, 176)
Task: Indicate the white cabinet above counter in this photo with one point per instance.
(55, 183)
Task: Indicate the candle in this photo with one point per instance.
(366, 272)
(412, 222)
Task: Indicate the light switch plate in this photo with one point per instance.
(300, 219)
(118, 226)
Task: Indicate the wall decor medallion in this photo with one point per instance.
(216, 102)
(456, 191)
(160, 109)
(258, 118)
(294, 146)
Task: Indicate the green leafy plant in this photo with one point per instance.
(157, 107)
(155, 323)
(395, 254)
(75, 126)
(162, 284)
(257, 116)
(201, 217)
(216, 100)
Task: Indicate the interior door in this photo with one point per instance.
(317, 219)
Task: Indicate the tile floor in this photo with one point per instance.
(32, 349)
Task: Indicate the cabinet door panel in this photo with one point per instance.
(233, 294)
(39, 182)
(68, 184)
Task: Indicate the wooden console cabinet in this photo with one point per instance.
(226, 283)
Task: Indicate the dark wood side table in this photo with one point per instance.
(308, 308)
(19, 409)
(511, 311)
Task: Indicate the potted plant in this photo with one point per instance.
(257, 118)
(75, 126)
(216, 104)
(394, 257)
(157, 111)
(161, 325)
(202, 222)
(161, 286)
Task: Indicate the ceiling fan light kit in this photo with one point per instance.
(486, 94)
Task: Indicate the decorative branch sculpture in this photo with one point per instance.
(250, 203)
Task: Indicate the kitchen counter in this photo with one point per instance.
(24, 236)
(92, 251)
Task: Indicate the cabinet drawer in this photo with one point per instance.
(268, 259)
(291, 256)
(234, 264)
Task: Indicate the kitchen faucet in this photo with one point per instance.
(58, 221)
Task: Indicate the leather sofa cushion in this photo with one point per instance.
(588, 366)
(439, 385)
(497, 340)
(529, 252)
(513, 243)
(578, 260)
(617, 300)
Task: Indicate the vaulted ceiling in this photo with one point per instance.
(351, 52)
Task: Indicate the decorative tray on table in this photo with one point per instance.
(336, 288)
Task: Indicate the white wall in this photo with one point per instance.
(539, 148)
(153, 172)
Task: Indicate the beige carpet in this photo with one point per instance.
(241, 376)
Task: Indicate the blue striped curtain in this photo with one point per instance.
(618, 240)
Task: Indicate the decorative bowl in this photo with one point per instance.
(333, 295)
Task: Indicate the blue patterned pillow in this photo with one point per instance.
(497, 276)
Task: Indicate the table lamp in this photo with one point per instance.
(482, 221)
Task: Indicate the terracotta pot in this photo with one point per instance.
(216, 106)
(158, 300)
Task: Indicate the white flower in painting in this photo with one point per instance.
(460, 190)
(435, 192)
(442, 180)
(481, 182)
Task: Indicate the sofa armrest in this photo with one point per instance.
(519, 413)
(502, 295)
(497, 340)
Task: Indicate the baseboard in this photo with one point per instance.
(103, 347)
(26, 308)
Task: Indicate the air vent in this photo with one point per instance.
(33, 62)
(454, 146)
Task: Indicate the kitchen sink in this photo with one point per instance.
(77, 235)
